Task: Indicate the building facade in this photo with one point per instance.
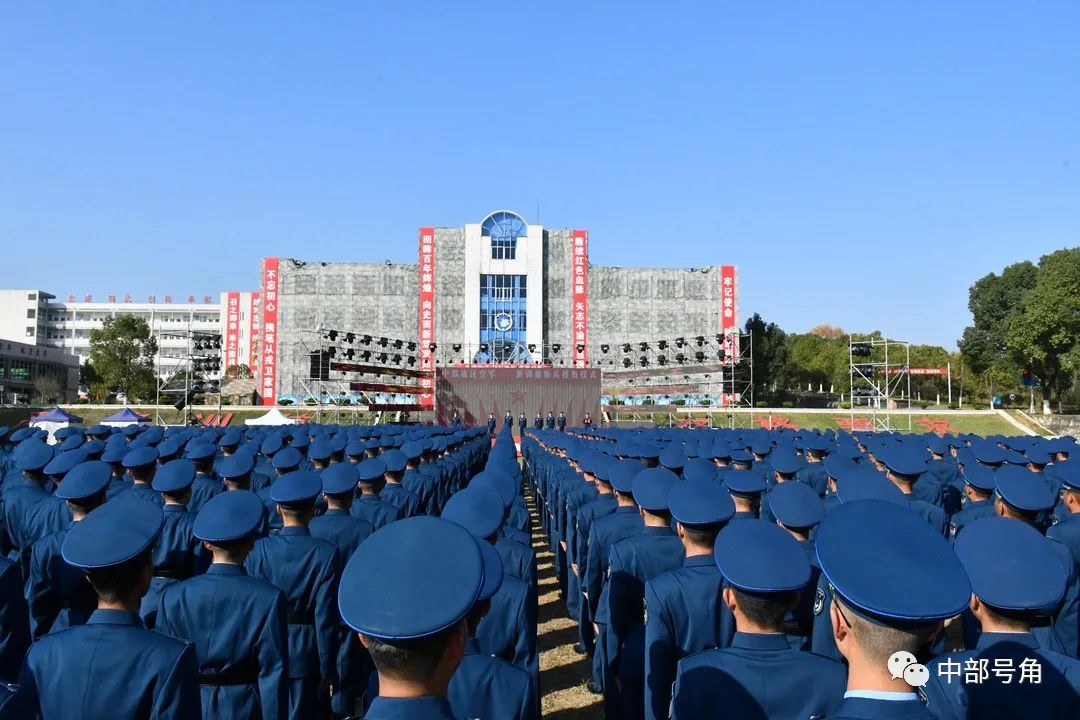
(496, 291)
(24, 365)
(39, 318)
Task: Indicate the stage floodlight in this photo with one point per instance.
(700, 339)
(699, 356)
(383, 342)
(605, 348)
(580, 348)
(644, 346)
(366, 355)
(350, 354)
(332, 335)
(366, 340)
(662, 359)
(412, 359)
(679, 342)
(411, 347)
(483, 347)
(456, 347)
(397, 359)
(643, 360)
(532, 347)
(662, 344)
(626, 362)
(555, 348)
(680, 358)
(332, 352)
(432, 347)
(382, 358)
(350, 338)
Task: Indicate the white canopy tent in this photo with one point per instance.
(273, 417)
(55, 419)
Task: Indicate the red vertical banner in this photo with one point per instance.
(426, 320)
(268, 343)
(579, 297)
(254, 335)
(729, 309)
(232, 329)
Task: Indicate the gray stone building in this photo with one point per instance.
(500, 290)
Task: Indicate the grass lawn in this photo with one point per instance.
(978, 424)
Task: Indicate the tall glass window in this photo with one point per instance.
(504, 229)
(503, 319)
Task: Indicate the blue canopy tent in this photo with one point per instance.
(127, 416)
(54, 419)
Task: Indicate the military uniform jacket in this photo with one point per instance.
(759, 676)
(58, 595)
(518, 560)
(487, 687)
(969, 513)
(375, 510)
(177, 556)
(422, 708)
(237, 624)
(144, 492)
(684, 614)
(346, 532)
(18, 498)
(398, 496)
(112, 668)
(45, 517)
(860, 708)
(305, 569)
(631, 563)
(1056, 696)
(815, 476)
(203, 489)
(605, 532)
(508, 631)
(14, 631)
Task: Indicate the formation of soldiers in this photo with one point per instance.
(776, 574)
(186, 573)
(387, 572)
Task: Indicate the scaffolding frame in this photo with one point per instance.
(186, 367)
(877, 371)
(738, 378)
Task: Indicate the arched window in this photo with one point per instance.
(504, 228)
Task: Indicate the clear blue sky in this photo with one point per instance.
(862, 162)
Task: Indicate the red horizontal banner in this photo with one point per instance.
(397, 408)
(379, 370)
(920, 371)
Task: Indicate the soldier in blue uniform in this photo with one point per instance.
(813, 474)
(114, 456)
(394, 492)
(904, 467)
(508, 629)
(1024, 496)
(746, 487)
(14, 631)
(605, 532)
(978, 498)
(1067, 530)
(875, 614)
(684, 613)
(484, 686)
(508, 421)
(602, 504)
(785, 468)
(346, 532)
(177, 554)
(632, 562)
(51, 513)
(30, 457)
(141, 465)
(549, 421)
(243, 652)
(760, 674)
(538, 421)
(370, 506)
(57, 593)
(522, 424)
(305, 569)
(560, 422)
(413, 621)
(491, 424)
(1014, 578)
(798, 509)
(207, 482)
(112, 668)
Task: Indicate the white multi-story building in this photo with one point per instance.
(33, 316)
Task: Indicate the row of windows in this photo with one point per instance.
(503, 248)
(503, 287)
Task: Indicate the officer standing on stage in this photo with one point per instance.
(684, 610)
(561, 422)
(236, 622)
(549, 421)
(587, 421)
(522, 423)
(760, 673)
(877, 614)
(305, 570)
(413, 621)
(538, 421)
(1014, 579)
(508, 421)
(112, 668)
(491, 424)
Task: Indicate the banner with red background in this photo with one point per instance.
(268, 356)
(426, 319)
(579, 298)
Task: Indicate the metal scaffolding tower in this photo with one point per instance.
(879, 370)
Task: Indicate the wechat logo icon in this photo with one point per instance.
(904, 665)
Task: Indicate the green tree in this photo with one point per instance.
(238, 372)
(993, 300)
(122, 353)
(772, 370)
(1044, 333)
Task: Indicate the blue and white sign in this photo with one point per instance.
(504, 322)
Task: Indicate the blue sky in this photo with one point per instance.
(862, 163)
